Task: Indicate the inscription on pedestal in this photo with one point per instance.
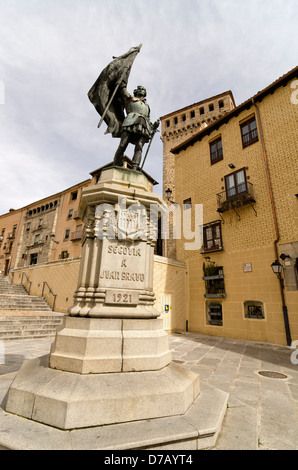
(122, 265)
(121, 298)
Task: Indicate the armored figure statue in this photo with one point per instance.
(110, 98)
(136, 127)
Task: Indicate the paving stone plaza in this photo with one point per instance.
(262, 411)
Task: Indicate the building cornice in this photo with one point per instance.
(258, 97)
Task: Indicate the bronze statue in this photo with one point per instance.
(110, 97)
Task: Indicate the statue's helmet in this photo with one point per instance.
(140, 90)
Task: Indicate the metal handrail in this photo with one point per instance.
(223, 197)
(51, 292)
(28, 280)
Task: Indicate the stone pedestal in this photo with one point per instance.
(110, 362)
(116, 272)
(101, 345)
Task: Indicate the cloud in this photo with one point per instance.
(52, 52)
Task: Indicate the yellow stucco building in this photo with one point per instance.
(243, 169)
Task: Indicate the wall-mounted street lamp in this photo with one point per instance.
(168, 194)
(277, 269)
(231, 165)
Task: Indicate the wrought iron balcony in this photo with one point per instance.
(236, 196)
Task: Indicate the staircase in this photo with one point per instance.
(24, 316)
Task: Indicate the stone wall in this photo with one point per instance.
(169, 280)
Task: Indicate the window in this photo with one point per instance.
(64, 255)
(40, 223)
(175, 120)
(202, 110)
(28, 226)
(214, 313)
(33, 258)
(253, 309)
(192, 114)
(183, 117)
(66, 234)
(74, 196)
(168, 123)
(249, 132)
(70, 214)
(212, 236)
(187, 204)
(216, 153)
(236, 183)
(214, 281)
(37, 239)
(221, 104)
(211, 107)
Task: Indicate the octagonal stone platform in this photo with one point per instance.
(198, 428)
(66, 400)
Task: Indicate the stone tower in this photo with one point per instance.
(180, 125)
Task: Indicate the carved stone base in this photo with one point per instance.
(113, 303)
(116, 269)
(98, 345)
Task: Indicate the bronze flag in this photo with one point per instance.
(104, 94)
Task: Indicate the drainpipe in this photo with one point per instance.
(281, 282)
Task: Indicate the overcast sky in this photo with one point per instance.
(52, 51)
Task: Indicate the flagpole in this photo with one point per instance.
(154, 132)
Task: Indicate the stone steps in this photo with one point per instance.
(13, 290)
(24, 316)
(29, 327)
(15, 297)
(20, 302)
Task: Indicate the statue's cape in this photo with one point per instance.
(116, 73)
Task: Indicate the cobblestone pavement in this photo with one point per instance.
(262, 411)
